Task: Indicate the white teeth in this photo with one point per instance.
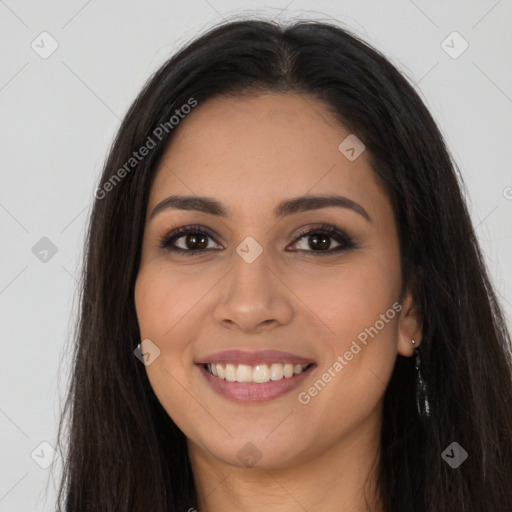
(288, 370)
(230, 374)
(276, 371)
(260, 373)
(243, 373)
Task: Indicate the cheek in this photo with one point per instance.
(162, 303)
(360, 309)
(163, 299)
(350, 298)
(359, 312)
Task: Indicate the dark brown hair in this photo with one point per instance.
(124, 452)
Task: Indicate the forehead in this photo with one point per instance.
(253, 151)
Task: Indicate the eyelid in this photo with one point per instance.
(342, 237)
(178, 232)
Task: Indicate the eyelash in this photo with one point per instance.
(341, 237)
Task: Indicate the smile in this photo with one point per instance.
(257, 374)
(245, 376)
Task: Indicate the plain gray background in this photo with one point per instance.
(58, 116)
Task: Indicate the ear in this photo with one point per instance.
(409, 327)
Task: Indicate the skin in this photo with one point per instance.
(250, 153)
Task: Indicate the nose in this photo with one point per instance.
(254, 298)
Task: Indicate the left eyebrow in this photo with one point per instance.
(287, 207)
(308, 203)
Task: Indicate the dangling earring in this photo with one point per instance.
(421, 386)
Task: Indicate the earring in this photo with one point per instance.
(421, 386)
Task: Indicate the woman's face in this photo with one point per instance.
(253, 292)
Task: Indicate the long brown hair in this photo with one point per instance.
(124, 452)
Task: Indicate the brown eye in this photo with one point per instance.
(319, 240)
(195, 240)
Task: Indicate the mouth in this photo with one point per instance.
(258, 374)
(254, 377)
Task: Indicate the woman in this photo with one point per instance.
(277, 231)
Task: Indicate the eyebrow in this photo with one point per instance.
(287, 207)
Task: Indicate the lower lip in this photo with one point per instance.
(251, 392)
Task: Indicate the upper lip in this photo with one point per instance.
(252, 358)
